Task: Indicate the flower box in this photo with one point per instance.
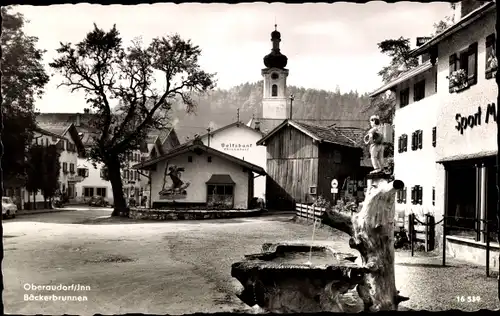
(491, 67)
(458, 80)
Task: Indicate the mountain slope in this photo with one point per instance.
(219, 107)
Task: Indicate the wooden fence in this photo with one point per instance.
(309, 212)
(418, 231)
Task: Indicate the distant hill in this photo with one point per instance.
(219, 107)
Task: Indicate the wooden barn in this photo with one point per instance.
(303, 159)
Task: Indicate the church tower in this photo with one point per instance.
(274, 102)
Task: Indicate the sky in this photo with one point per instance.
(328, 46)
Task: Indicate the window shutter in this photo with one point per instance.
(404, 195)
(414, 141)
(453, 67)
(434, 137)
(420, 195)
(405, 142)
(400, 144)
(420, 138)
(472, 64)
(433, 196)
(412, 195)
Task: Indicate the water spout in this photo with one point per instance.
(312, 242)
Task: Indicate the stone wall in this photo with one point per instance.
(190, 214)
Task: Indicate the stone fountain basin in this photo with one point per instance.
(281, 280)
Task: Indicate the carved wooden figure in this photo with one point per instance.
(372, 234)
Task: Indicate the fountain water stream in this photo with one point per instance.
(309, 262)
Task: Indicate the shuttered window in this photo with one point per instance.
(404, 97)
(491, 62)
(453, 66)
(416, 195)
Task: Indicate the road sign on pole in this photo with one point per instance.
(334, 183)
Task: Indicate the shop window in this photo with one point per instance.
(220, 195)
(461, 199)
(419, 91)
(491, 59)
(404, 97)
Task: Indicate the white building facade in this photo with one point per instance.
(453, 163)
(240, 141)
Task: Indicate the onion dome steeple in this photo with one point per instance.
(275, 59)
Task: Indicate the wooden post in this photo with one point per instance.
(487, 248)
(426, 232)
(444, 239)
(412, 233)
(372, 234)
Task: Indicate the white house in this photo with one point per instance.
(461, 145)
(240, 141)
(67, 140)
(194, 175)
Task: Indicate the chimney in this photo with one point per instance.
(257, 126)
(78, 119)
(86, 110)
(467, 6)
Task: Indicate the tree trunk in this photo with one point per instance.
(34, 200)
(120, 206)
(372, 234)
(28, 204)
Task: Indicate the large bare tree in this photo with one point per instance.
(120, 86)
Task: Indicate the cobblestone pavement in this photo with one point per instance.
(183, 267)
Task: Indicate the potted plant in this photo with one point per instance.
(458, 80)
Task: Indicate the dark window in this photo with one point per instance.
(404, 97)
(101, 192)
(419, 91)
(491, 60)
(65, 167)
(401, 196)
(220, 196)
(403, 143)
(434, 136)
(416, 140)
(209, 159)
(82, 172)
(416, 195)
(436, 82)
(72, 167)
(88, 192)
(274, 90)
(190, 158)
(46, 142)
(465, 61)
(404, 195)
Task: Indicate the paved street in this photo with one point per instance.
(182, 267)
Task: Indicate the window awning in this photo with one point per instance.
(220, 179)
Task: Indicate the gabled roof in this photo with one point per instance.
(265, 125)
(237, 124)
(198, 145)
(403, 77)
(463, 23)
(334, 135)
(62, 131)
(42, 131)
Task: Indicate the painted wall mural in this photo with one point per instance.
(173, 187)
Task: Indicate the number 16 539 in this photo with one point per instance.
(468, 299)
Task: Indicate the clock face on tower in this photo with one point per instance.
(274, 76)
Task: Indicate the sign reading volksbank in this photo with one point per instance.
(236, 146)
(464, 122)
